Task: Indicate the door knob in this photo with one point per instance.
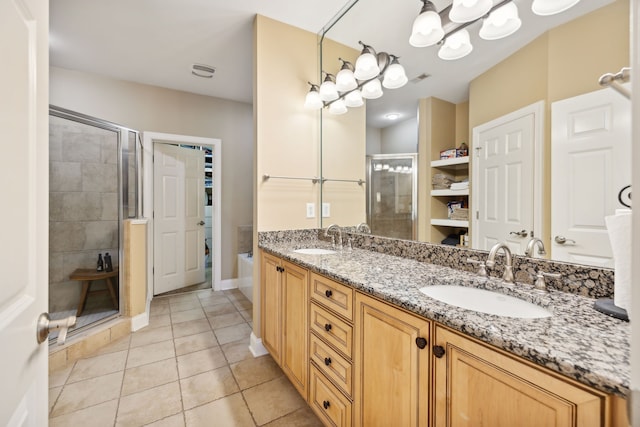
(522, 233)
(46, 325)
(561, 240)
(201, 223)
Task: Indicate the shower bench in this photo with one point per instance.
(87, 276)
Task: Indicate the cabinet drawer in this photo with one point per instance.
(327, 402)
(332, 329)
(331, 364)
(334, 295)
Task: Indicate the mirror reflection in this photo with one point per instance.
(528, 77)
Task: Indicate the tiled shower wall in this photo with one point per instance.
(83, 207)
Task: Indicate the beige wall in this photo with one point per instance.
(150, 108)
(287, 136)
(564, 62)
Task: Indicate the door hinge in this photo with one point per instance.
(477, 214)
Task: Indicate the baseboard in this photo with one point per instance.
(140, 321)
(229, 284)
(255, 346)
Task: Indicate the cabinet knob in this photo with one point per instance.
(438, 351)
(326, 404)
(327, 361)
(328, 293)
(327, 327)
(421, 342)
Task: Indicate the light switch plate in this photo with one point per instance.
(311, 210)
(326, 210)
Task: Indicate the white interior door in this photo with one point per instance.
(24, 219)
(179, 240)
(503, 181)
(590, 164)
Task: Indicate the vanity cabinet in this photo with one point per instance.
(392, 380)
(284, 301)
(331, 350)
(478, 385)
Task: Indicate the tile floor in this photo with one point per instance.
(190, 367)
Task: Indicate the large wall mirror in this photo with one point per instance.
(527, 75)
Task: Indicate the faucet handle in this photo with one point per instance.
(482, 271)
(540, 282)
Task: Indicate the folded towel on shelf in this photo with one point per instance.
(462, 185)
(442, 181)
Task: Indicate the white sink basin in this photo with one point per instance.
(485, 301)
(314, 251)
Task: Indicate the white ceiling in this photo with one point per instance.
(156, 41)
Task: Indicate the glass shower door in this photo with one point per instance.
(392, 195)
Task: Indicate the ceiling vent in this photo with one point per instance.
(420, 78)
(201, 70)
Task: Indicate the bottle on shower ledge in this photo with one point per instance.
(100, 266)
(107, 262)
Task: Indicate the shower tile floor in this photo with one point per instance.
(190, 367)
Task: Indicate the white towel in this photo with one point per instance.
(619, 228)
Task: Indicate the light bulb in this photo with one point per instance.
(354, 99)
(312, 100)
(456, 46)
(337, 107)
(427, 27)
(372, 90)
(394, 76)
(328, 91)
(366, 64)
(551, 7)
(502, 22)
(469, 10)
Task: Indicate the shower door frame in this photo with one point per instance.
(414, 185)
(122, 132)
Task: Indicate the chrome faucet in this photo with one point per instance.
(531, 244)
(363, 227)
(508, 266)
(335, 228)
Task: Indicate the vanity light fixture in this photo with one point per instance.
(551, 7)
(456, 46)
(502, 22)
(499, 19)
(372, 71)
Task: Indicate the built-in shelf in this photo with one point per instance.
(456, 162)
(450, 192)
(450, 223)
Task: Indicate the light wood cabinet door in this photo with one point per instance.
(271, 304)
(476, 385)
(391, 386)
(295, 326)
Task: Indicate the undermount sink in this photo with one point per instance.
(485, 301)
(314, 251)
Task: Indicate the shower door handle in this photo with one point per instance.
(201, 223)
(46, 325)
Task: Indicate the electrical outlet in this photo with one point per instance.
(326, 210)
(311, 210)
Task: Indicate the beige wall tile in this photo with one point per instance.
(149, 405)
(207, 387)
(148, 376)
(95, 416)
(228, 411)
(87, 393)
(121, 329)
(273, 400)
(114, 346)
(88, 345)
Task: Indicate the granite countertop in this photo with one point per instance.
(576, 341)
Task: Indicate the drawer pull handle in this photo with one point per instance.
(328, 293)
(326, 404)
(421, 342)
(327, 327)
(327, 361)
(438, 351)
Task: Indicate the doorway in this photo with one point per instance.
(205, 196)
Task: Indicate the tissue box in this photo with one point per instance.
(448, 154)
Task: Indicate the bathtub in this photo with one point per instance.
(245, 275)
